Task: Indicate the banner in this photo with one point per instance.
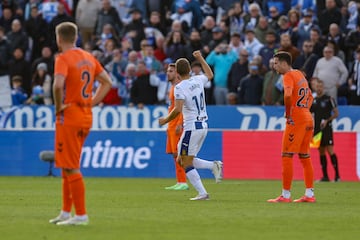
(131, 118)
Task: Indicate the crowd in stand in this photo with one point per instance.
(135, 40)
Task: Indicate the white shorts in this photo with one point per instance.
(191, 141)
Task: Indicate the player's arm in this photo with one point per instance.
(58, 92)
(105, 85)
(287, 101)
(206, 68)
(174, 113)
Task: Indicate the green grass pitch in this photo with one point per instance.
(125, 208)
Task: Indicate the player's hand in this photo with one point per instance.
(178, 129)
(323, 123)
(61, 108)
(179, 160)
(197, 54)
(162, 121)
(289, 120)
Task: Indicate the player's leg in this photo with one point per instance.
(334, 161)
(189, 145)
(287, 166)
(323, 162)
(171, 147)
(74, 176)
(60, 160)
(308, 170)
(215, 166)
(329, 138)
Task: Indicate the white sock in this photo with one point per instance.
(82, 217)
(286, 193)
(195, 180)
(65, 214)
(202, 164)
(309, 192)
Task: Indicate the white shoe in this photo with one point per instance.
(63, 216)
(76, 220)
(218, 171)
(201, 197)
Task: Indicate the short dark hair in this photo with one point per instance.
(284, 57)
(171, 65)
(182, 66)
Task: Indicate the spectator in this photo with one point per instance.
(152, 64)
(284, 25)
(19, 66)
(206, 31)
(18, 95)
(236, 18)
(336, 36)
(269, 49)
(46, 57)
(352, 41)
(155, 22)
(108, 15)
(315, 38)
(108, 33)
(252, 44)
(17, 37)
(252, 18)
(6, 19)
(107, 54)
(238, 70)
(86, 16)
(124, 86)
(337, 51)
(331, 14)
(286, 45)
(353, 18)
(302, 32)
(283, 6)
(218, 37)
(144, 88)
(159, 51)
(193, 44)
(176, 45)
(250, 88)
(272, 93)
(5, 53)
(221, 59)
(332, 71)
(49, 9)
(261, 29)
(188, 13)
(354, 81)
(274, 17)
(60, 17)
(36, 28)
(41, 86)
(235, 43)
(307, 60)
(135, 29)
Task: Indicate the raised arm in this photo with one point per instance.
(207, 70)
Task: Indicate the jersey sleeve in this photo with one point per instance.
(179, 93)
(61, 67)
(288, 82)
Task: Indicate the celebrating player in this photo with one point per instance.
(190, 100)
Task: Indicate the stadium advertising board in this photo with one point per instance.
(105, 153)
(124, 118)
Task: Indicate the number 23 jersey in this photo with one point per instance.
(194, 108)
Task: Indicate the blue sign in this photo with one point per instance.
(105, 153)
(125, 118)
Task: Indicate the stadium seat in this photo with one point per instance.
(48, 156)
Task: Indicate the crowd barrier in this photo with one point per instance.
(129, 143)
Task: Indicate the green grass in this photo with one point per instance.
(141, 209)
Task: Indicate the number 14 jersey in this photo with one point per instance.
(194, 108)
